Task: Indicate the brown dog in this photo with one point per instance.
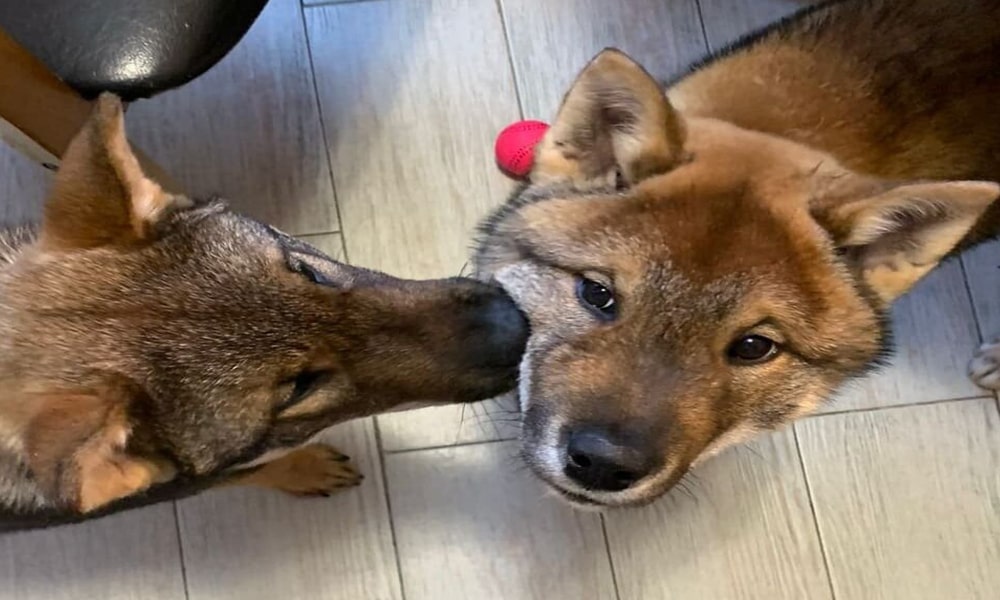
(716, 261)
(152, 342)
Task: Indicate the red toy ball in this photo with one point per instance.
(515, 147)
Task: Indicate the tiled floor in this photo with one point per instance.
(368, 125)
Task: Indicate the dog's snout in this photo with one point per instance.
(499, 330)
(600, 461)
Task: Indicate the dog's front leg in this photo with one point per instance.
(312, 470)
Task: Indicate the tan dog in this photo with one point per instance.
(705, 264)
(152, 345)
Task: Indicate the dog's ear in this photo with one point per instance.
(100, 195)
(77, 447)
(895, 233)
(615, 120)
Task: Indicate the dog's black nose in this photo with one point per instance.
(501, 331)
(600, 461)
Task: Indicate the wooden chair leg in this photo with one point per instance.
(39, 114)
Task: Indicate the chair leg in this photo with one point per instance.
(39, 114)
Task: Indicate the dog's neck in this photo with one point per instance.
(832, 80)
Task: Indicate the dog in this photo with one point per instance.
(153, 345)
(712, 258)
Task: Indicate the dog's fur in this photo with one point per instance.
(793, 187)
(152, 345)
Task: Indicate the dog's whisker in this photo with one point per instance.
(685, 489)
(497, 419)
(493, 421)
(480, 418)
(461, 425)
(754, 452)
(515, 462)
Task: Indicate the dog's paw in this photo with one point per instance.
(984, 368)
(313, 470)
(319, 470)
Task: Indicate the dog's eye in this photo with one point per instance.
(596, 297)
(304, 384)
(620, 182)
(310, 273)
(752, 349)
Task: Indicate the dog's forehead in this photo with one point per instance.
(712, 233)
(220, 244)
(677, 226)
(235, 229)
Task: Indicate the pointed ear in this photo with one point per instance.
(896, 233)
(100, 195)
(77, 448)
(615, 119)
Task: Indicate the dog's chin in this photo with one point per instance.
(578, 501)
(599, 501)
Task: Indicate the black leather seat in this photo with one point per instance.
(135, 48)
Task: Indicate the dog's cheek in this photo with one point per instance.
(62, 425)
(76, 450)
(547, 296)
(520, 280)
(106, 472)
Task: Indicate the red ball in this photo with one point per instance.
(515, 147)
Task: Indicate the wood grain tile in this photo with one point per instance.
(318, 2)
(935, 336)
(330, 243)
(726, 21)
(746, 531)
(982, 270)
(450, 425)
(551, 41)
(908, 499)
(250, 544)
(249, 129)
(410, 122)
(23, 187)
(470, 523)
(129, 556)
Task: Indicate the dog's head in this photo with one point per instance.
(689, 283)
(145, 333)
